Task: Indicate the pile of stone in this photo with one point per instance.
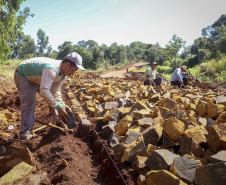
(167, 134)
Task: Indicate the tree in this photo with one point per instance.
(65, 49)
(11, 20)
(43, 41)
(174, 46)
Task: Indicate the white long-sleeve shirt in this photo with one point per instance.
(45, 72)
(177, 75)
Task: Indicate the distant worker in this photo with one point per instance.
(45, 76)
(150, 76)
(178, 79)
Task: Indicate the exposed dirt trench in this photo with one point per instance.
(88, 162)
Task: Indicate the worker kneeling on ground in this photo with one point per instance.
(150, 76)
(45, 76)
(178, 79)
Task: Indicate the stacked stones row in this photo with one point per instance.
(167, 134)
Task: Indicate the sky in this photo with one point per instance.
(121, 21)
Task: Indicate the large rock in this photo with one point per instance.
(197, 133)
(202, 108)
(152, 134)
(145, 122)
(141, 114)
(18, 172)
(110, 105)
(190, 146)
(14, 159)
(115, 139)
(160, 159)
(216, 137)
(174, 127)
(162, 177)
(214, 110)
(221, 118)
(219, 157)
(213, 174)
(167, 142)
(184, 168)
(132, 151)
(123, 125)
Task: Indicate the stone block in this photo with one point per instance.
(160, 159)
(110, 105)
(202, 121)
(184, 168)
(123, 125)
(190, 146)
(221, 100)
(213, 174)
(155, 112)
(123, 111)
(107, 130)
(202, 108)
(7, 163)
(115, 139)
(113, 114)
(99, 111)
(18, 172)
(152, 134)
(214, 110)
(167, 142)
(170, 103)
(85, 128)
(108, 98)
(174, 127)
(134, 150)
(150, 148)
(141, 180)
(145, 122)
(210, 123)
(218, 157)
(119, 151)
(197, 133)
(216, 137)
(140, 105)
(155, 97)
(162, 177)
(141, 114)
(221, 118)
(37, 178)
(189, 106)
(132, 137)
(140, 161)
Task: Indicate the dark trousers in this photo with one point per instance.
(157, 81)
(177, 82)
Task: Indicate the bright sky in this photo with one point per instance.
(121, 21)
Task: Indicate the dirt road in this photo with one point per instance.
(120, 73)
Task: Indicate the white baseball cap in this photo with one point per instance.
(76, 58)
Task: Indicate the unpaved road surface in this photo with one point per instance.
(120, 73)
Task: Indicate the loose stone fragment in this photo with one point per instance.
(160, 159)
(150, 148)
(216, 137)
(219, 157)
(197, 133)
(213, 174)
(174, 127)
(167, 142)
(162, 177)
(115, 139)
(190, 146)
(152, 134)
(18, 172)
(134, 150)
(185, 168)
(123, 125)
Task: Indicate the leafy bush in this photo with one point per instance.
(164, 69)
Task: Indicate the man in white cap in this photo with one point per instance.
(46, 76)
(178, 79)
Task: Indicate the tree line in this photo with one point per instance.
(16, 45)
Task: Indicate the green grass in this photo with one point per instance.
(8, 67)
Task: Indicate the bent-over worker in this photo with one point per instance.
(178, 79)
(45, 76)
